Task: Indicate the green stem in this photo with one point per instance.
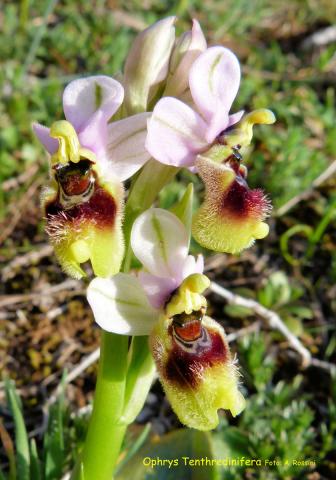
(106, 433)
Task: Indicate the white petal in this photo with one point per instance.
(160, 241)
(120, 305)
(126, 145)
(192, 265)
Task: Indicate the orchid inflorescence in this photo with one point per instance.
(172, 105)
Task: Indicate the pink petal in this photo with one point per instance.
(42, 133)
(94, 136)
(175, 133)
(158, 289)
(214, 81)
(215, 127)
(84, 97)
(126, 151)
(235, 118)
(218, 123)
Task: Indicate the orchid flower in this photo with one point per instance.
(165, 302)
(207, 138)
(90, 156)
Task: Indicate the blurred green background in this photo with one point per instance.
(288, 56)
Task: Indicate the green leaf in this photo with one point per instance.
(21, 437)
(280, 284)
(276, 292)
(306, 230)
(184, 208)
(35, 466)
(176, 450)
(300, 311)
(237, 311)
(2, 476)
(9, 450)
(230, 443)
(294, 324)
(253, 355)
(140, 374)
(134, 448)
(328, 217)
(55, 452)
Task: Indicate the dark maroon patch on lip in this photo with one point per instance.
(100, 209)
(241, 201)
(182, 366)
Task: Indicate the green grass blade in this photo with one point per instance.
(2, 476)
(328, 217)
(135, 447)
(55, 451)
(8, 447)
(21, 437)
(35, 465)
(38, 36)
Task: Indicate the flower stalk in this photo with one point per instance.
(106, 429)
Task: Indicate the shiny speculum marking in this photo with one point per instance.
(188, 328)
(195, 348)
(80, 198)
(75, 178)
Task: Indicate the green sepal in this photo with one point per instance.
(140, 375)
(183, 209)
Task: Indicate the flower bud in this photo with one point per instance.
(187, 48)
(82, 209)
(231, 217)
(181, 47)
(196, 368)
(147, 63)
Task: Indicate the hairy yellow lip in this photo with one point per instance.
(196, 369)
